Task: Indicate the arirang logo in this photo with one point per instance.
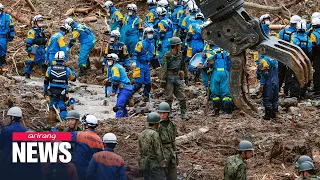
(29, 151)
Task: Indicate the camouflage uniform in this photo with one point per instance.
(67, 129)
(235, 168)
(168, 132)
(151, 155)
(171, 65)
(313, 177)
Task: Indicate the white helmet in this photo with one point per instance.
(302, 25)
(315, 15)
(161, 11)
(114, 56)
(316, 22)
(163, 3)
(199, 16)
(151, 2)
(91, 121)
(65, 27)
(192, 6)
(108, 4)
(60, 56)
(69, 21)
(1, 7)
(37, 18)
(148, 30)
(115, 33)
(264, 17)
(132, 7)
(109, 138)
(295, 19)
(15, 112)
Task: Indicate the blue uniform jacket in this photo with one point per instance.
(57, 43)
(119, 75)
(106, 165)
(116, 19)
(176, 16)
(303, 41)
(6, 26)
(86, 144)
(83, 34)
(221, 59)
(286, 33)
(151, 19)
(144, 52)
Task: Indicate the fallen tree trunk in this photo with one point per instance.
(191, 136)
(19, 17)
(78, 10)
(29, 3)
(277, 26)
(89, 19)
(272, 9)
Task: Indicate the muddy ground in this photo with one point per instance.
(283, 139)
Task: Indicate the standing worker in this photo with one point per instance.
(56, 87)
(168, 133)
(165, 32)
(36, 44)
(173, 71)
(143, 55)
(151, 19)
(133, 28)
(176, 16)
(57, 43)
(87, 43)
(116, 18)
(120, 83)
(235, 167)
(265, 22)
(87, 143)
(152, 160)
(6, 34)
(315, 39)
(106, 164)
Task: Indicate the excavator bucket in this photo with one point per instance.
(235, 31)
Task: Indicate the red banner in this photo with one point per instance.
(41, 136)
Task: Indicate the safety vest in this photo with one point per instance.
(287, 33)
(58, 75)
(116, 48)
(39, 37)
(303, 43)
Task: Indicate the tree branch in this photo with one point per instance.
(29, 3)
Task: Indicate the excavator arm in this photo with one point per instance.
(235, 31)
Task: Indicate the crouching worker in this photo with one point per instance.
(106, 164)
(56, 86)
(121, 82)
(269, 73)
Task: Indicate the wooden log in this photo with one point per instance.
(89, 19)
(272, 9)
(18, 16)
(78, 10)
(276, 26)
(192, 135)
(29, 3)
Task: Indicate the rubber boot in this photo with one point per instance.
(267, 114)
(88, 66)
(82, 75)
(184, 114)
(52, 117)
(216, 106)
(44, 69)
(170, 104)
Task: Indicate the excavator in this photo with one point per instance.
(234, 30)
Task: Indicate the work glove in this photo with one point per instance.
(29, 52)
(133, 65)
(10, 38)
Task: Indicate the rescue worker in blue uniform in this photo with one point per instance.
(165, 33)
(143, 55)
(185, 23)
(219, 81)
(133, 28)
(151, 19)
(165, 4)
(87, 143)
(6, 34)
(268, 72)
(195, 43)
(301, 39)
(176, 16)
(309, 25)
(56, 86)
(265, 22)
(87, 43)
(116, 17)
(36, 44)
(106, 164)
(207, 53)
(57, 43)
(107, 82)
(118, 48)
(285, 34)
(315, 39)
(121, 84)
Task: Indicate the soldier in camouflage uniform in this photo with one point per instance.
(235, 167)
(299, 161)
(152, 160)
(73, 118)
(173, 71)
(168, 132)
(308, 171)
